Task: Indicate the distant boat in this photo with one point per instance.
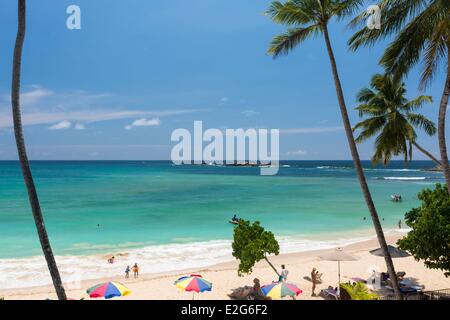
(233, 222)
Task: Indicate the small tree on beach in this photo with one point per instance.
(429, 239)
(251, 243)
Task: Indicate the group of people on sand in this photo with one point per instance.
(134, 269)
(315, 277)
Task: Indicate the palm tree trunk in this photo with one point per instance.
(359, 169)
(270, 264)
(425, 152)
(441, 125)
(26, 171)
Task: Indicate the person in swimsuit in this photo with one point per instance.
(314, 274)
(135, 271)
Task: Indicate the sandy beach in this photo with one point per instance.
(224, 276)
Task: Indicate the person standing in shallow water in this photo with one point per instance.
(400, 224)
(127, 272)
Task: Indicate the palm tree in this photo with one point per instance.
(391, 116)
(308, 18)
(422, 34)
(26, 172)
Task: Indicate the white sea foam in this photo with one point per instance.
(405, 178)
(28, 272)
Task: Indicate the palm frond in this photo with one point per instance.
(405, 51)
(286, 42)
(435, 51)
(364, 95)
(290, 13)
(416, 103)
(345, 8)
(370, 127)
(394, 15)
(420, 121)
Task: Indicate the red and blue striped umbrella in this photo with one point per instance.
(278, 290)
(193, 283)
(108, 290)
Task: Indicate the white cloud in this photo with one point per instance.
(310, 130)
(297, 153)
(87, 116)
(31, 97)
(45, 107)
(80, 126)
(250, 113)
(224, 99)
(61, 125)
(143, 122)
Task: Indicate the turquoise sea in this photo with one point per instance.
(179, 214)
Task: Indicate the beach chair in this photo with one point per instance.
(330, 292)
(356, 279)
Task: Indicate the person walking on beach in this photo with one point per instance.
(314, 274)
(136, 271)
(400, 223)
(284, 274)
(127, 272)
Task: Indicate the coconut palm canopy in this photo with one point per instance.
(391, 118)
(421, 33)
(422, 29)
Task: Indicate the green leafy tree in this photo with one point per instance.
(429, 239)
(359, 291)
(421, 34)
(391, 117)
(251, 243)
(306, 19)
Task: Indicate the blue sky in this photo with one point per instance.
(137, 70)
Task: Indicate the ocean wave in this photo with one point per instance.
(334, 167)
(405, 178)
(30, 272)
(392, 170)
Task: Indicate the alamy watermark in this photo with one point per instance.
(73, 22)
(374, 17)
(230, 147)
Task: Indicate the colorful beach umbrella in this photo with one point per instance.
(108, 290)
(278, 290)
(193, 283)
